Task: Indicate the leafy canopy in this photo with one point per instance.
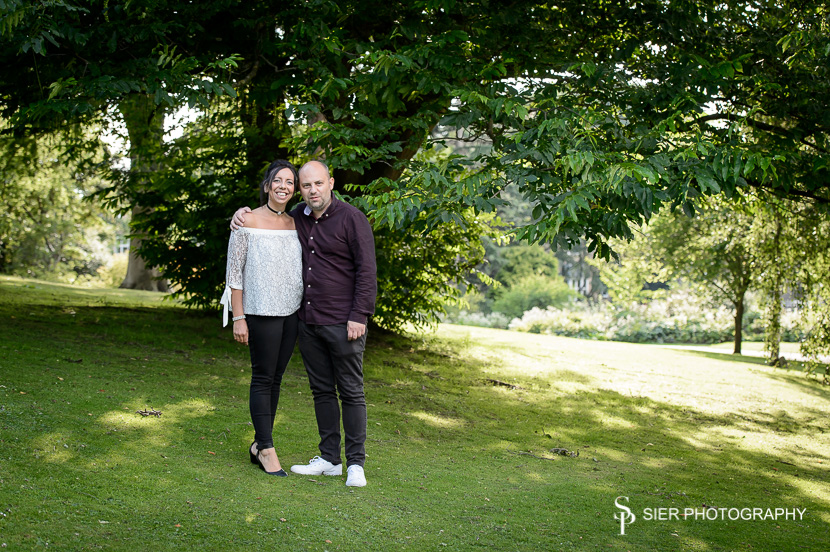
(601, 114)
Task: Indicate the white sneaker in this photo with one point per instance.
(318, 466)
(356, 476)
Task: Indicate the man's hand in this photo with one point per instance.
(355, 330)
(238, 220)
(240, 331)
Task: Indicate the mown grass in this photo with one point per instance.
(455, 462)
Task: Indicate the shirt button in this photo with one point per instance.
(309, 285)
(311, 238)
(308, 303)
(312, 252)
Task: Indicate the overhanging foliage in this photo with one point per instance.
(601, 113)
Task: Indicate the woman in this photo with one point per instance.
(264, 289)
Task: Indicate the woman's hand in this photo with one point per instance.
(240, 331)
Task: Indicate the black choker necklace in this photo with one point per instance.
(274, 210)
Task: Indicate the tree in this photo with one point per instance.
(145, 127)
(601, 113)
(776, 247)
(356, 66)
(711, 250)
(794, 250)
(68, 64)
(511, 263)
(48, 227)
(671, 112)
(815, 297)
(770, 235)
(575, 263)
(715, 251)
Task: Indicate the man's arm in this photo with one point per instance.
(362, 244)
(238, 220)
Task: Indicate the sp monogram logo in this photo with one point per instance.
(625, 516)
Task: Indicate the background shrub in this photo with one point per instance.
(533, 291)
(680, 317)
(466, 318)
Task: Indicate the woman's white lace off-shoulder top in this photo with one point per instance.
(267, 266)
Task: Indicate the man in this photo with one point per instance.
(340, 286)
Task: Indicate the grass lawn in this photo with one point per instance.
(454, 460)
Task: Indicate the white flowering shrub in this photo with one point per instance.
(465, 318)
(680, 317)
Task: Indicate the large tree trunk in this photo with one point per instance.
(139, 275)
(772, 334)
(145, 126)
(739, 324)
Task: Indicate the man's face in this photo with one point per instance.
(316, 186)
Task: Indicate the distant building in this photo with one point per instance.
(122, 246)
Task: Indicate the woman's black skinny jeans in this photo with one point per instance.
(271, 342)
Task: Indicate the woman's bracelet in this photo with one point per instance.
(240, 317)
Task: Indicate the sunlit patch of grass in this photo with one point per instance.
(822, 516)
(612, 454)
(170, 414)
(819, 492)
(660, 463)
(436, 420)
(567, 388)
(30, 292)
(53, 447)
(614, 422)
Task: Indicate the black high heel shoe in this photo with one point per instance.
(279, 473)
(253, 456)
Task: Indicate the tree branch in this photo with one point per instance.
(784, 194)
(759, 125)
(244, 81)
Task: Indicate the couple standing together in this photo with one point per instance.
(309, 273)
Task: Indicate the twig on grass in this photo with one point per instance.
(531, 454)
(87, 494)
(502, 383)
(565, 452)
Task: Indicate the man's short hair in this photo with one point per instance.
(323, 163)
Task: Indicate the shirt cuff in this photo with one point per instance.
(357, 317)
(226, 303)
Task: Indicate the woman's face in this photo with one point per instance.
(282, 186)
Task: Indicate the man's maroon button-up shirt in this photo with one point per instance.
(339, 267)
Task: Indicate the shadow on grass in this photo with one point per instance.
(727, 357)
(807, 383)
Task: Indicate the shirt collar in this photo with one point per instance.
(331, 208)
